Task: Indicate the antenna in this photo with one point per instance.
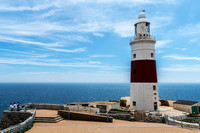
(142, 10)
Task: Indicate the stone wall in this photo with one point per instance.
(186, 108)
(10, 118)
(83, 116)
(166, 102)
(83, 109)
(46, 106)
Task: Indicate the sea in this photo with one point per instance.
(62, 93)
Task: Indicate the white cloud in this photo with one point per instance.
(35, 73)
(93, 19)
(68, 50)
(98, 34)
(175, 57)
(29, 54)
(124, 29)
(163, 43)
(182, 49)
(190, 29)
(159, 21)
(78, 38)
(43, 62)
(159, 51)
(94, 62)
(58, 63)
(14, 40)
(102, 55)
(37, 5)
(182, 68)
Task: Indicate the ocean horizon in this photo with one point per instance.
(62, 93)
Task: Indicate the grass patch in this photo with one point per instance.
(194, 115)
(190, 120)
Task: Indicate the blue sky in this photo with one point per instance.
(88, 40)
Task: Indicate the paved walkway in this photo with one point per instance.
(46, 113)
(119, 126)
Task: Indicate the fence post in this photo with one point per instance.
(107, 118)
(167, 119)
(199, 123)
(181, 121)
(20, 128)
(29, 123)
(174, 120)
(68, 115)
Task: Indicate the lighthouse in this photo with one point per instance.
(143, 88)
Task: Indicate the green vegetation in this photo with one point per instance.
(194, 115)
(191, 120)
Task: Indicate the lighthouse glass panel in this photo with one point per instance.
(148, 27)
(136, 29)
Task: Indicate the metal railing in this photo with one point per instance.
(139, 37)
(21, 127)
(182, 121)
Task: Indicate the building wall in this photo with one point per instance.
(143, 94)
(115, 106)
(143, 75)
(125, 101)
(182, 107)
(108, 106)
(143, 50)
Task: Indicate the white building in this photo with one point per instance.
(144, 89)
(105, 106)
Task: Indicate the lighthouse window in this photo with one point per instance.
(136, 29)
(155, 93)
(134, 103)
(148, 27)
(134, 71)
(134, 55)
(152, 55)
(154, 87)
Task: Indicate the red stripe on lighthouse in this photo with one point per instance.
(143, 71)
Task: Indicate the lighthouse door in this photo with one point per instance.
(155, 106)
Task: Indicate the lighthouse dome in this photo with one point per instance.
(142, 19)
(141, 15)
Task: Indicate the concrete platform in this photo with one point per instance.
(119, 126)
(46, 113)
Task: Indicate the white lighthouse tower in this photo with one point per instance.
(144, 89)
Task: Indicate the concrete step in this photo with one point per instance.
(48, 119)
